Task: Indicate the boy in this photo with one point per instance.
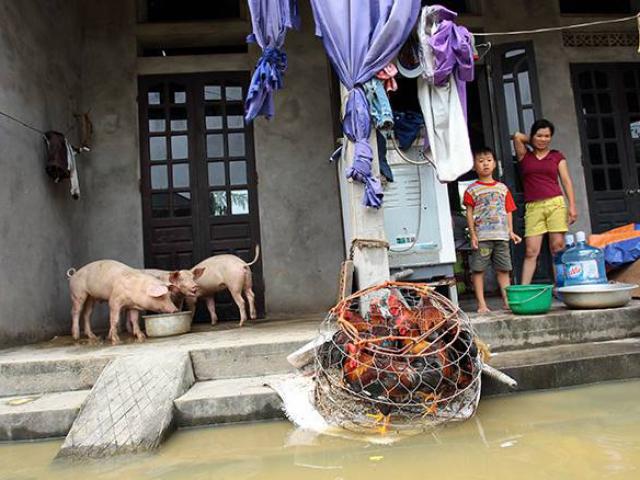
(489, 205)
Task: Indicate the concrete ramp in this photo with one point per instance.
(130, 408)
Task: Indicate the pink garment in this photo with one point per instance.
(388, 74)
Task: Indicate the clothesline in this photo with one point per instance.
(559, 28)
(20, 122)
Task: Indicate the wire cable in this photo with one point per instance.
(559, 28)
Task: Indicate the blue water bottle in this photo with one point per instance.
(583, 264)
(569, 242)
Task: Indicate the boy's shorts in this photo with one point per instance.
(548, 215)
(495, 252)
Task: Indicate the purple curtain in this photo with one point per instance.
(361, 37)
(270, 20)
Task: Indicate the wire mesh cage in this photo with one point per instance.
(399, 356)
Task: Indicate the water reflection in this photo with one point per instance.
(583, 433)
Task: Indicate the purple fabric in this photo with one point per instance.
(270, 20)
(453, 53)
(361, 38)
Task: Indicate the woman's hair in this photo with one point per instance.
(539, 125)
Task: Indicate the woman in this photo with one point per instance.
(545, 208)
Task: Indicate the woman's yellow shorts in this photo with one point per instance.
(548, 215)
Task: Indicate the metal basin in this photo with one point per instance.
(607, 295)
(166, 324)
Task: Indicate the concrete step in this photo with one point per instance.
(39, 416)
(505, 331)
(261, 349)
(229, 401)
(567, 365)
(248, 399)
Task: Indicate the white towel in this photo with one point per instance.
(449, 147)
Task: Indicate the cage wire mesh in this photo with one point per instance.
(400, 357)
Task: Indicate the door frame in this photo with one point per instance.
(201, 220)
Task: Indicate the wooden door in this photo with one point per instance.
(198, 177)
(607, 98)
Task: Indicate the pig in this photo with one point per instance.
(185, 280)
(124, 288)
(222, 272)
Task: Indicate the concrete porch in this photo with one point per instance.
(43, 386)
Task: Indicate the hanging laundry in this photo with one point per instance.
(406, 127)
(385, 169)
(57, 166)
(388, 75)
(447, 52)
(360, 38)
(379, 106)
(73, 171)
(270, 21)
(61, 161)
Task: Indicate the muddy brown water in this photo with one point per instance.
(582, 433)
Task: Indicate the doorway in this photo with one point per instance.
(198, 176)
(607, 100)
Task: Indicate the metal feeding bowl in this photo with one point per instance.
(606, 295)
(166, 324)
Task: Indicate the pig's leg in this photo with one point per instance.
(134, 318)
(86, 318)
(211, 306)
(191, 305)
(77, 302)
(114, 318)
(237, 297)
(251, 298)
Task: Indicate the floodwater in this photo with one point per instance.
(582, 433)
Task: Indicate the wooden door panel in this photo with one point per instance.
(603, 121)
(198, 180)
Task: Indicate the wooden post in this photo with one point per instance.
(363, 227)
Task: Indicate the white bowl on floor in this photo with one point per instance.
(167, 324)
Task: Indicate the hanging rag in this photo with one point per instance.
(379, 106)
(388, 75)
(61, 161)
(270, 21)
(442, 93)
(360, 39)
(57, 165)
(406, 127)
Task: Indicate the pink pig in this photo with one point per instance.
(185, 280)
(222, 272)
(124, 288)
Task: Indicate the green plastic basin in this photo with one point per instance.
(529, 299)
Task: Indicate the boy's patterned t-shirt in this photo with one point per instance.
(490, 202)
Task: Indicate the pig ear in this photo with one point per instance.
(197, 272)
(157, 290)
(174, 277)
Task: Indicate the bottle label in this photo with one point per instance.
(581, 271)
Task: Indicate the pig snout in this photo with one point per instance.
(168, 306)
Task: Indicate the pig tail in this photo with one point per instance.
(71, 272)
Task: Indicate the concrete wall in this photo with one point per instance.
(299, 200)
(39, 81)
(553, 63)
(110, 220)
